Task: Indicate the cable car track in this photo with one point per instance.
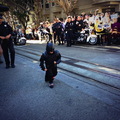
(68, 62)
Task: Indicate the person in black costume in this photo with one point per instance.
(7, 43)
(48, 62)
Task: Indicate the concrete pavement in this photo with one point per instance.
(25, 96)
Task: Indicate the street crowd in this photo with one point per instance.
(106, 27)
(99, 27)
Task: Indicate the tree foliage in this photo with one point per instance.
(67, 5)
(38, 11)
(21, 9)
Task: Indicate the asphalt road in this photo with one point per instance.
(105, 55)
(25, 96)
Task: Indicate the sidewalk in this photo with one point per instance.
(36, 41)
(25, 96)
(104, 47)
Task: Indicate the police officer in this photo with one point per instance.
(48, 62)
(79, 24)
(7, 44)
(2, 9)
(69, 31)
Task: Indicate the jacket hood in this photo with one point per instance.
(50, 47)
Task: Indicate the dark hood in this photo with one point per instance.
(50, 47)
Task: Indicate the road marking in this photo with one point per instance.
(104, 69)
(64, 59)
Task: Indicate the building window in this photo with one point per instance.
(42, 1)
(46, 4)
(53, 4)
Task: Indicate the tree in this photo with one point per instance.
(21, 9)
(38, 11)
(67, 5)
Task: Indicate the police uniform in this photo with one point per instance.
(69, 33)
(79, 25)
(59, 28)
(7, 44)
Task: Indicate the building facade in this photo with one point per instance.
(52, 10)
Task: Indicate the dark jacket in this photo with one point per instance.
(69, 26)
(5, 29)
(57, 27)
(79, 25)
(47, 60)
(54, 26)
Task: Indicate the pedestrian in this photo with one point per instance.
(48, 62)
(59, 28)
(69, 31)
(7, 43)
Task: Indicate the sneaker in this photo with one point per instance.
(51, 85)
